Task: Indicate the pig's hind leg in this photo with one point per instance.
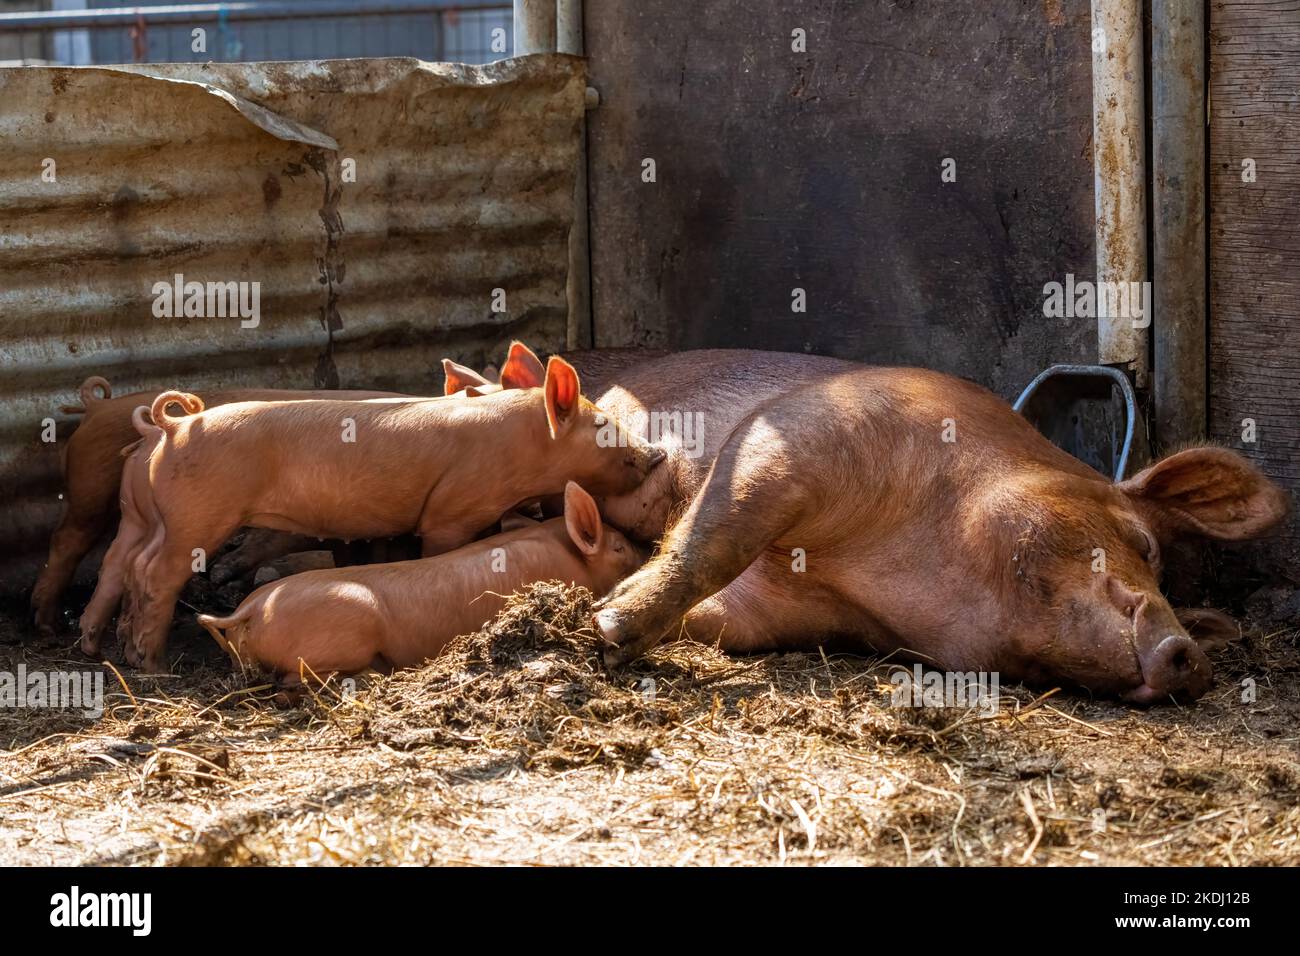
(157, 586)
(109, 587)
(136, 563)
(92, 505)
(71, 541)
(132, 533)
(143, 505)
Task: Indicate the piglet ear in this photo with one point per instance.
(563, 395)
(456, 377)
(523, 369)
(582, 519)
(1212, 492)
(1211, 630)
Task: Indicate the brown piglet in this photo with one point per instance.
(382, 616)
(92, 470)
(444, 469)
(522, 369)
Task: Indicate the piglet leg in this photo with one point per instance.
(260, 546)
(132, 534)
(71, 542)
(111, 584)
(156, 588)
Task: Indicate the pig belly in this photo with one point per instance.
(417, 634)
(322, 524)
(347, 625)
(327, 501)
(338, 628)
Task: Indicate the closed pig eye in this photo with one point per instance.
(1146, 545)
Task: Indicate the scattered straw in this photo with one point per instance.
(517, 746)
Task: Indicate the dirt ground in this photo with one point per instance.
(517, 747)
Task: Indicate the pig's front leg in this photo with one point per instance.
(260, 546)
(752, 496)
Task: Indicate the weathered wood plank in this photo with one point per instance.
(1255, 241)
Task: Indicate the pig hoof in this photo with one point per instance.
(148, 664)
(288, 697)
(609, 625)
(44, 621)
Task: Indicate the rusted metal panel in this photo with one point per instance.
(816, 161)
(463, 185)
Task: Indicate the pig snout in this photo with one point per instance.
(649, 457)
(640, 458)
(1174, 668)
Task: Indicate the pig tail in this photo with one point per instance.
(89, 396)
(191, 404)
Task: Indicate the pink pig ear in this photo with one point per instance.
(582, 519)
(523, 369)
(456, 377)
(563, 395)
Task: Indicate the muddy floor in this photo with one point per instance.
(517, 747)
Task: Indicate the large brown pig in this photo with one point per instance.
(92, 470)
(442, 468)
(910, 511)
(382, 616)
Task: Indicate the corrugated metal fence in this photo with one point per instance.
(88, 32)
(379, 205)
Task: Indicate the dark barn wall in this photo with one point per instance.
(821, 170)
(1254, 361)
